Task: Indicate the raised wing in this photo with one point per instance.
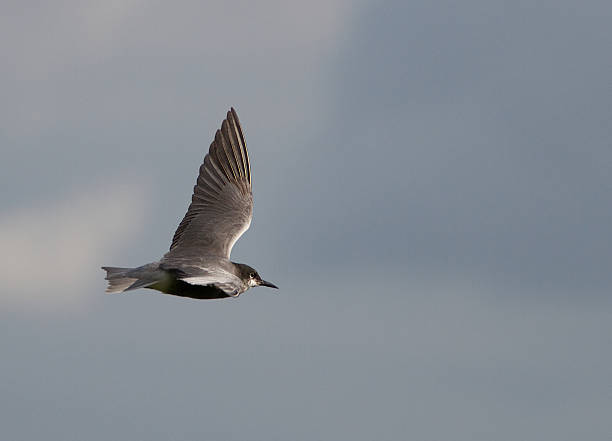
(222, 203)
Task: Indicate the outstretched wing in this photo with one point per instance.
(222, 203)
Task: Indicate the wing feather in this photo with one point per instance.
(222, 203)
(237, 129)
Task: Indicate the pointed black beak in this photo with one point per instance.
(268, 284)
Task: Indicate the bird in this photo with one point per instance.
(198, 263)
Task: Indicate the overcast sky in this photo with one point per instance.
(432, 195)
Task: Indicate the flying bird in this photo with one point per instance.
(198, 264)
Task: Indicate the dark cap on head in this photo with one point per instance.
(247, 273)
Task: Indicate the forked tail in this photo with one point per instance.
(127, 279)
(118, 279)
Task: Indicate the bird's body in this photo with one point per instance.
(221, 209)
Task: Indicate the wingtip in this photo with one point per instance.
(234, 114)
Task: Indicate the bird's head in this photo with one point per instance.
(251, 277)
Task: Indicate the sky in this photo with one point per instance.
(432, 195)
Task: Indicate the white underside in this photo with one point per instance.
(225, 281)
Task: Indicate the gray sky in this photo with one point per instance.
(432, 194)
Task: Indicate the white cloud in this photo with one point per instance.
(52, 252)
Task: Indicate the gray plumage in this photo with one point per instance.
(221, 210)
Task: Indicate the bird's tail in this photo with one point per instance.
(118, 279)
(127, 279)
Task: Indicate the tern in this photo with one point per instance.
(198, 264)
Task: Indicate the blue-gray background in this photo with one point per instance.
(432, 194)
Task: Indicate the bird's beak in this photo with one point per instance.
(268, 284)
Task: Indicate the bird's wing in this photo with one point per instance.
(222, 203)
(226, 282)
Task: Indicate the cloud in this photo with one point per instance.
(51, 252)
(77, 53)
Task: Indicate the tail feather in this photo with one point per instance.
(127, 279)
(118, 279)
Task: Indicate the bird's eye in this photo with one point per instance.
(252, 275)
